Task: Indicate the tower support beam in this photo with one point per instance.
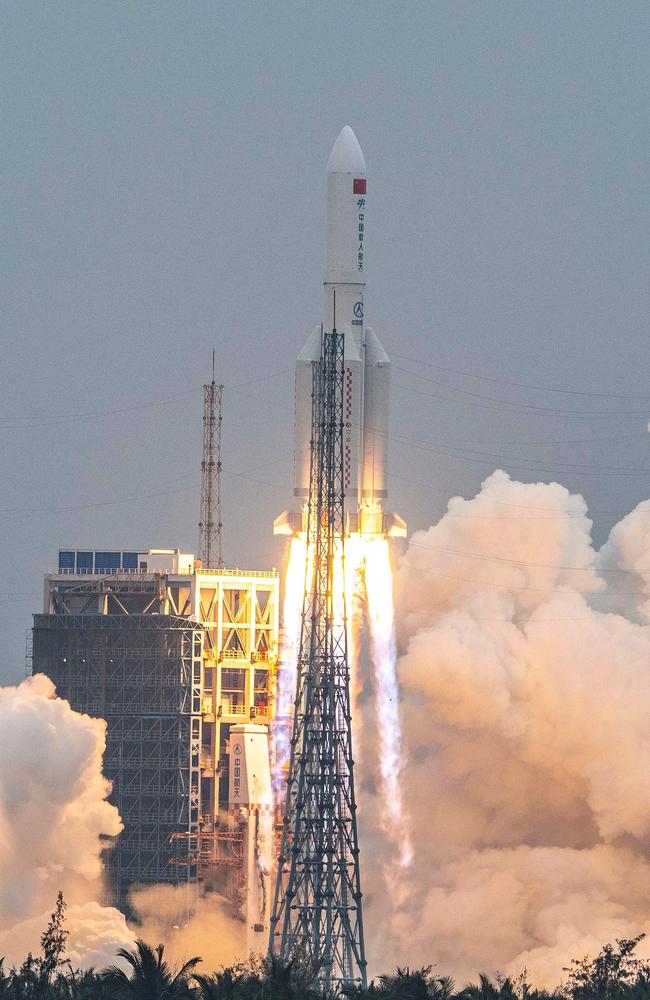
(317, 912)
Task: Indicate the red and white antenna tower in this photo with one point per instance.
(210, 526)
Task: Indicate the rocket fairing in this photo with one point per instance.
(366, 364)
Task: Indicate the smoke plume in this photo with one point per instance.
(53, 816)
(525, 670)
(525, 667)
(54, 821)
(208, 929)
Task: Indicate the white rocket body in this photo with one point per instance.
(367, 367)
(251, 807)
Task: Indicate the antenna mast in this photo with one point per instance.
(210, 551)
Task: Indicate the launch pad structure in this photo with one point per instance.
(142, 674)
(184, 659)
(317, 911)
(174, 657)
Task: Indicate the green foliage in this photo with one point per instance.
(615, 974)
(40, 978)
(221, 986)
(239, 982)
(53, 940)
(419, 984)
(505, 988)
(150, 976)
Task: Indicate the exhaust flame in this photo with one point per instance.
(365, 577)
(379, 589)
(353, 613)
(297, 574)
(356, 611)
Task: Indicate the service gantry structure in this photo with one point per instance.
(317, 911)
(173, 656)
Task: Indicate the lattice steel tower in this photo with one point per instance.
(210, 551)
(317, 912)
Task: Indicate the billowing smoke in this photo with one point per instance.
(210, 929)
(54, 821)
(525, 667)
(95, 932)
(53, 816)
(525, 670)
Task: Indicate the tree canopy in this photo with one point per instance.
(616, 973)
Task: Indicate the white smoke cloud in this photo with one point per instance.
(95, 933)
(53, 816)
(625, 558)
(525, 710)
(189, 925)
(525, 667)
(54, 821)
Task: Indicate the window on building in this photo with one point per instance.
(129, 560)
(107, 561)
(66, 560)
(208, 680)
(84, 562)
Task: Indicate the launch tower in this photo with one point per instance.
(317, 911)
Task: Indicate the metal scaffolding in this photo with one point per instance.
(143, 674)
(317, 911)
(210, 546)
(172, 657)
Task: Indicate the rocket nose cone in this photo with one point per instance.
(346, 156)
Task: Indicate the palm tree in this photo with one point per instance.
(485, 989)
(5, 981)
(446, 988)
(80, 984)
(224, 985)
(150, 977)
(504, 989)
(287, 980)
(416, 985)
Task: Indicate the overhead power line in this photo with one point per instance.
(484, 557)
(45, 419)
(533, 408)
(519, 385)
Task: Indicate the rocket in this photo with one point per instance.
(366, 364)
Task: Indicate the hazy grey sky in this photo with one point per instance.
(163, 192)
